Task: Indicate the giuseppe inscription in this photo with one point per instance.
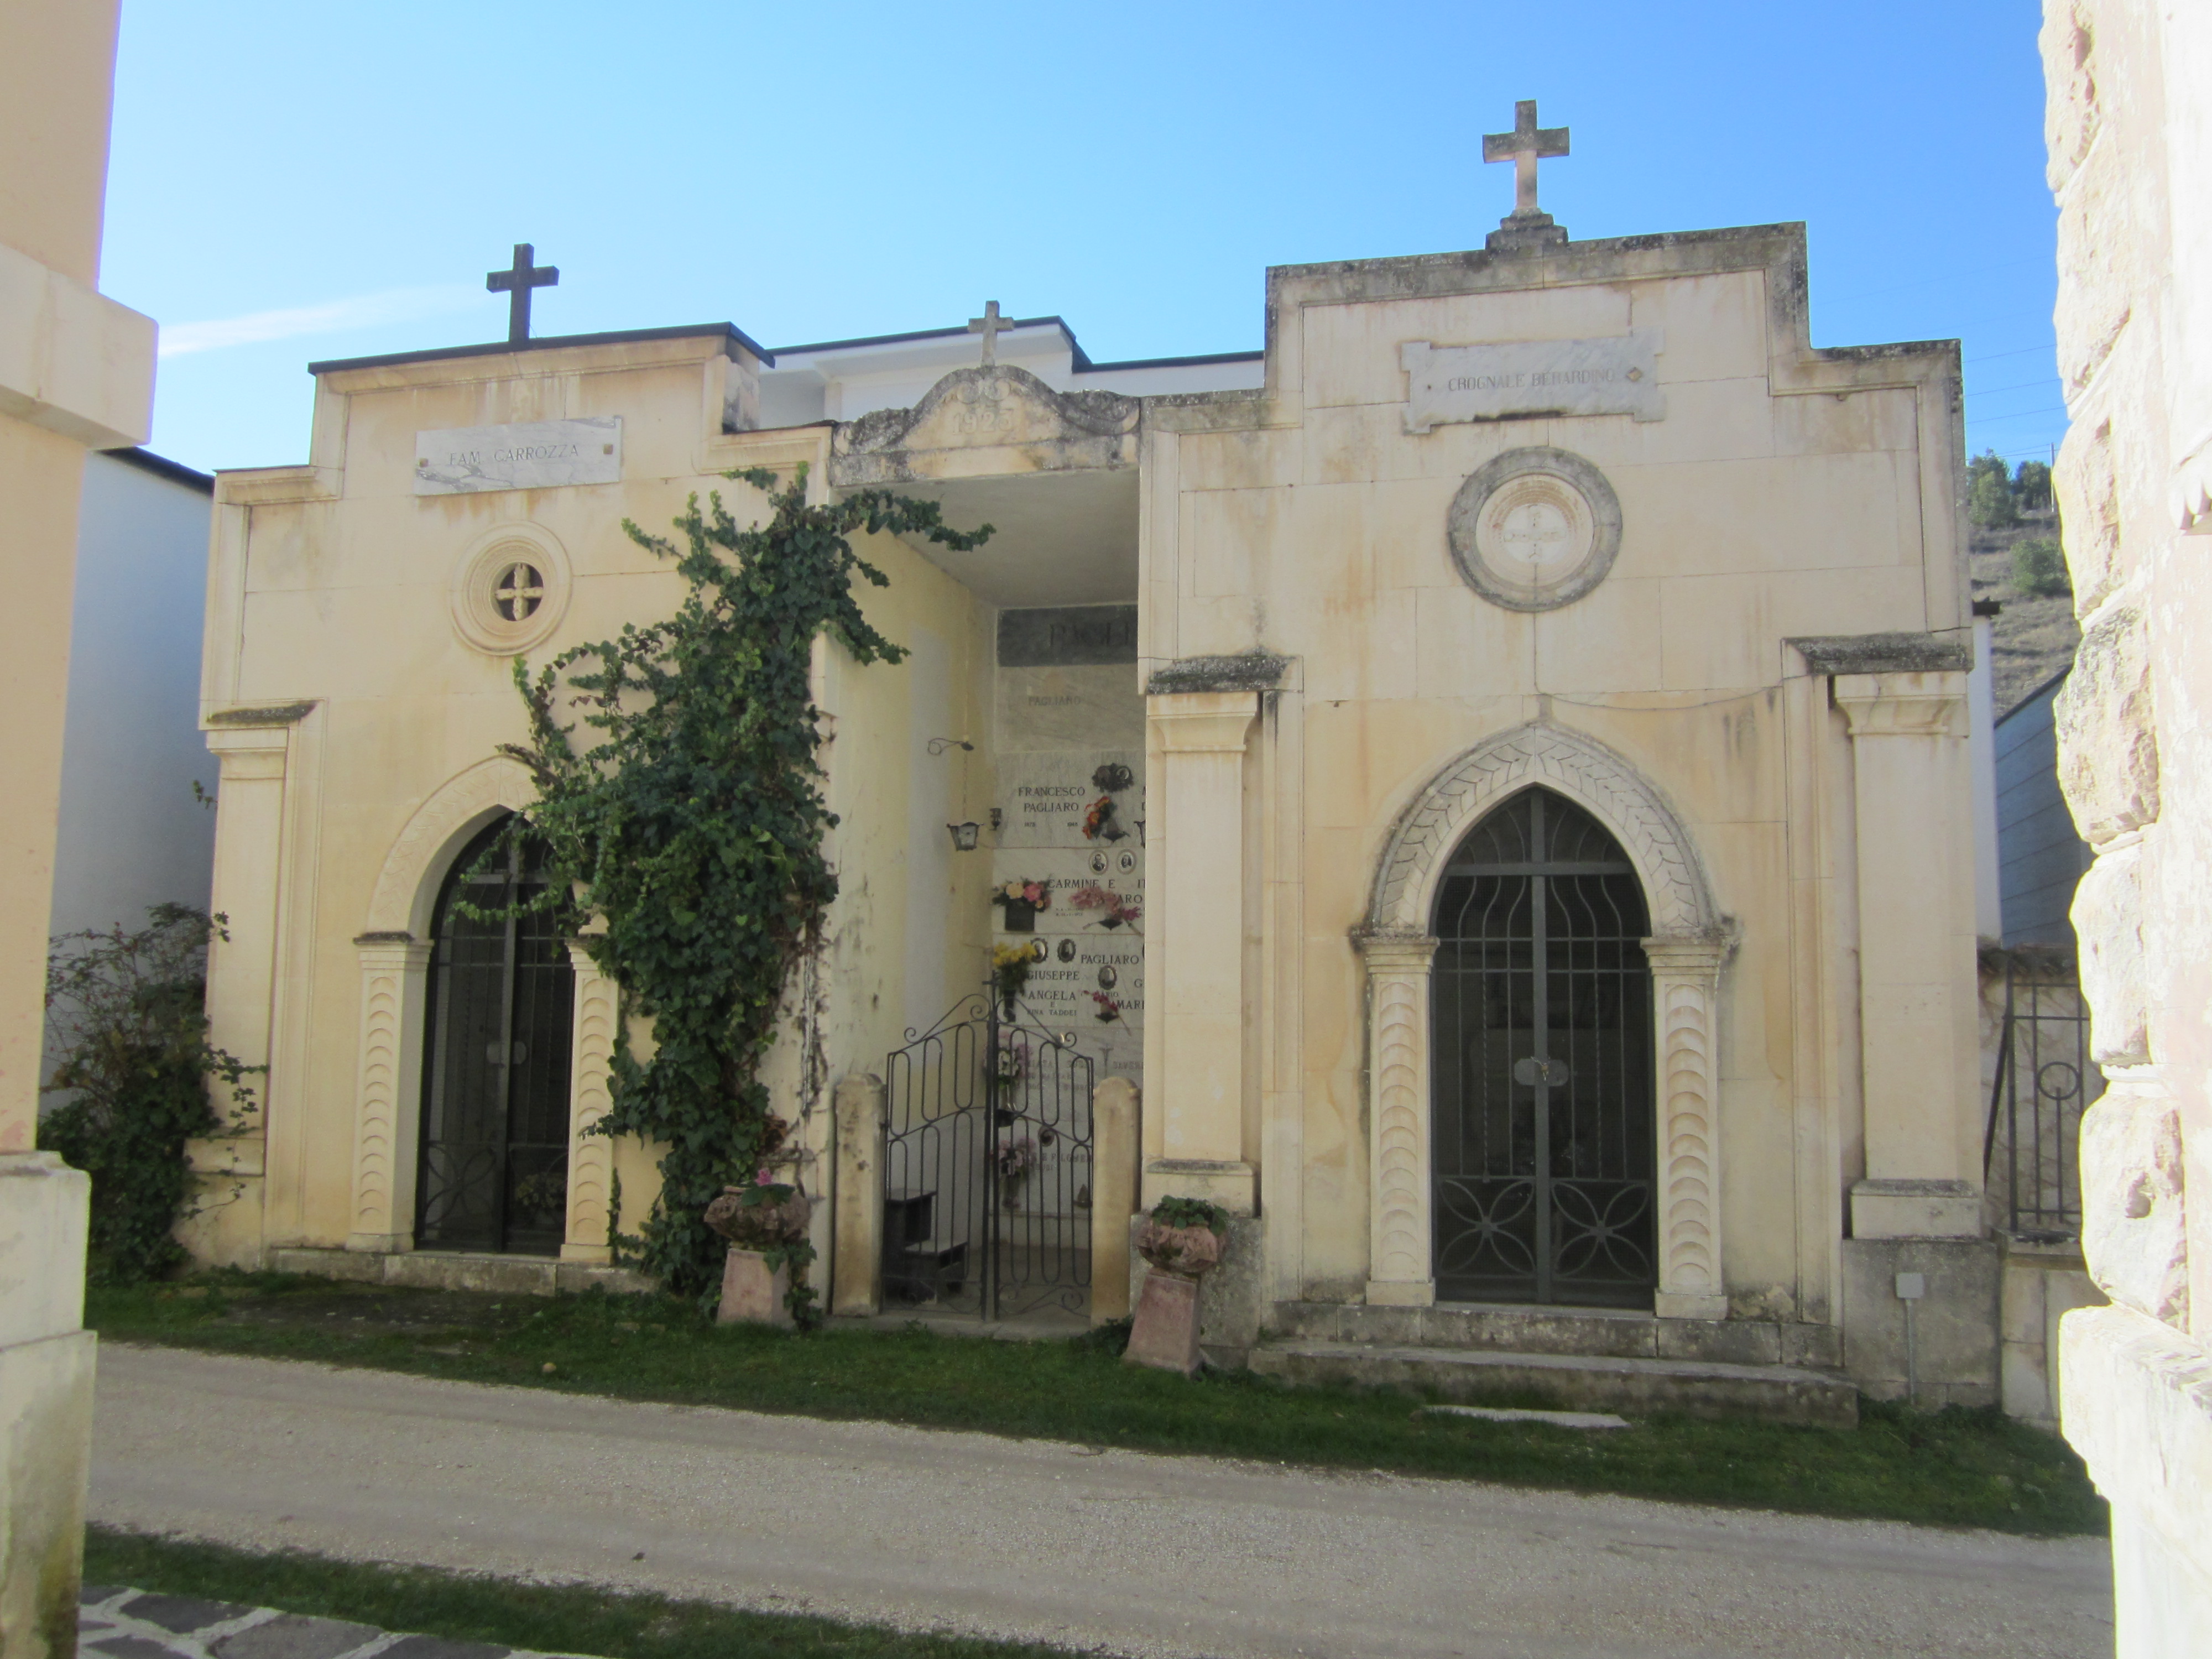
(1617, 376)
(528, 455)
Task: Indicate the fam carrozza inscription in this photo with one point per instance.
(529, 455)
(1619, 375)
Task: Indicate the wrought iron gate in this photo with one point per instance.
(988, 1165)
(2044, 1081)
(1543, 1120)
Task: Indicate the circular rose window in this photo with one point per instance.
(1535, 529)
(510, 590)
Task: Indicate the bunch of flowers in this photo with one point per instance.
(1015, 1160)
(1009, 967)
(1099, 821)
(1109, 1009)
(1119, 911)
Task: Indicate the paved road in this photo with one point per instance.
(1127, 1551)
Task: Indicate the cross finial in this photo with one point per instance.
(990, 325)
(1526, 144)
(516, 285)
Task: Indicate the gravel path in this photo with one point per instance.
(1126, 1551)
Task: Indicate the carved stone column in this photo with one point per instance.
(387, 1121)
(591, 1157)
(1401, 1252)
(1195, 947)
(1918, 1041)
(1684, 985)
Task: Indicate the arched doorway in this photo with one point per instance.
(493, 1174)
(1543, 1119)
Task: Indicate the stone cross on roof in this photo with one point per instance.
(1526, 225)
(990, 325)
(516, 285)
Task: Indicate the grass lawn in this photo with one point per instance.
(1956, 1467)
(546, 1618)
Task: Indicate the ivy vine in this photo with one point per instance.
(684, 813)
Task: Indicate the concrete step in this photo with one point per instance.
(458, 1270)
(1618, 1333)
(1695, 1388)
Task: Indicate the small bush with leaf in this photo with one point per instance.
(1192, 1213)
(1989, 502)
(2038, 568)
(130, 1042)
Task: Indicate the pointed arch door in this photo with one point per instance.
(1543, 1122)
(495, 1084)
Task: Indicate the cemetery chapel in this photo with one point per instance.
(1485, 775)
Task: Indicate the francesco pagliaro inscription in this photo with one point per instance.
(1616, 375)
(529, 455)
(1534, 529)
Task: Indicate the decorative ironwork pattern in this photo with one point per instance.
(495, 1143)
(1542, 1127)
(986, 1165)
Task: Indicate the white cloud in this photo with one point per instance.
(394, 305)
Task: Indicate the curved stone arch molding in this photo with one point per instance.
(1580, 767)
(407, 886)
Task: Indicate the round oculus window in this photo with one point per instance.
(1535, 529)
(510, 591)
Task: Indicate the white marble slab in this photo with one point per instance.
(1616, 375)
(528, 455)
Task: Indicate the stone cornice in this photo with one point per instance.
(1884, 654)
(1244, 670)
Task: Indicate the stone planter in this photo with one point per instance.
(1164, 1333)
(752, 1293)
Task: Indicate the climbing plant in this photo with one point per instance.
(680, 801)
(128, 1036)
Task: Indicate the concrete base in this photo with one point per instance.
(1947, 1354)
(460, 1270)
(46, 1403)
(1596, 1333)
(2043, 1282)
(752, 1292)
(1693, 1387)
(2137, 1405)
(1164, 1332)
(1916, 1209)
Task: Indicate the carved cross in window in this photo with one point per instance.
(990, 325)
(1525, 146)
(519, 591)
(516, 285)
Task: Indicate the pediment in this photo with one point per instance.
(994, 418)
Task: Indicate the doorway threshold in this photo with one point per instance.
(460, 1270)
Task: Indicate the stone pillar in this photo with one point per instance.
(1195, 947)
(249, 845)
(1114, 1184)
(591, 1157)
(1918, 1044)
(1684, 984)
(856, 1257)
(1401, 1250)
(388, 1110)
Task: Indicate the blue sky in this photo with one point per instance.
(292, 182)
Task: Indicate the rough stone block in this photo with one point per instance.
(2088, 483)
(751, 1293)
(2134, 1231)
(44, 1208)
(2107, 735)
(1736, 1341)
(1164, 1333)
(2107, 918)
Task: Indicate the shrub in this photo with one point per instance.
(130, 1039)
(2039, 569)
(2031, 486)
(1989, 499)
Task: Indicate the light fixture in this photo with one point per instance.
(939, 745)
(963, 835)
(998, 820)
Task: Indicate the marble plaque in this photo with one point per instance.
(1065, 636)
(1045, 797)
(530, 455)
(1616, 375)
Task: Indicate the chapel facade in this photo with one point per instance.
(1487, 777)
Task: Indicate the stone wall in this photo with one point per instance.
(2129, 133)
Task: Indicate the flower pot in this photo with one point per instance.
(1185, 1252)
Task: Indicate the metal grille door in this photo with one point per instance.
(1543, 1120)
(493, 1174)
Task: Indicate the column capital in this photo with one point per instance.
(1197, 722)
(1689, 954)
(1904, 705)
(1389, 951)
(401, 950)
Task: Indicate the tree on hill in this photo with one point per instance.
(1989, 492)
(2031, 486)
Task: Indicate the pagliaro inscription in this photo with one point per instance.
(529, 455)
(1616, 375)
(1068, 636)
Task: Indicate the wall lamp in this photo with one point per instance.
(963, 835)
